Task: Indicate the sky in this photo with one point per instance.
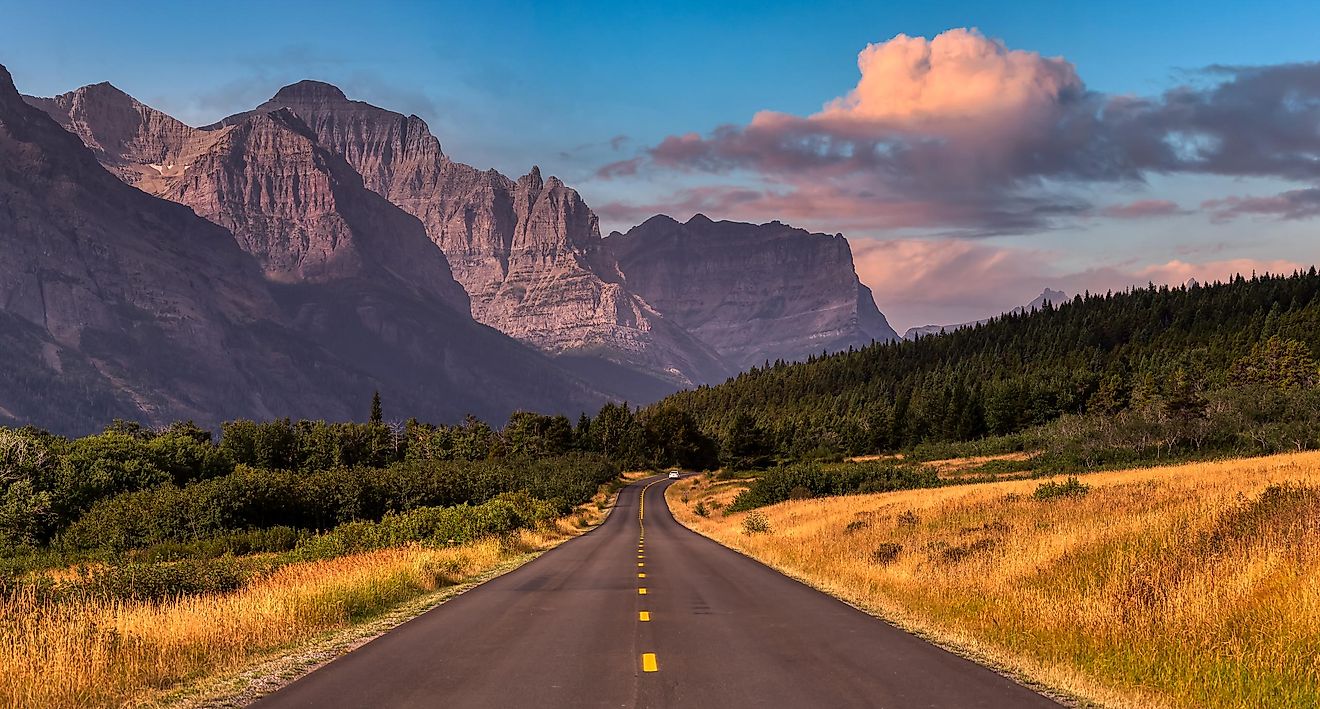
(974, 153)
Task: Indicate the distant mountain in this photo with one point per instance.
(530, 255)
(753, 292)
(1054, 297)
(342, 204)
(522, 248)
(160, 315)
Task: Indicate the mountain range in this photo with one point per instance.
(291, 259)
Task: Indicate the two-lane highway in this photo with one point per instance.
(643, 612)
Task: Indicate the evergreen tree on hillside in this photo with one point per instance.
(1156, 348)
(377, 415)
(745, 445)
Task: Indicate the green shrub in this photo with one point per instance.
(431, 526)
(160, 581)
(756, 523)
(1072, 487)
(251, 499)
(955, 554)
(886, 553)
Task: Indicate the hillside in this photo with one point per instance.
(1160, 350)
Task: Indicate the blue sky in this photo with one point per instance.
(512, 84)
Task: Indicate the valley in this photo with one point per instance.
(608, 355)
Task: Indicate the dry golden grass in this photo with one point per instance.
(950, 468)
(1183, 586)
(116, 653)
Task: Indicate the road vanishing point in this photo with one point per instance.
(643, 612)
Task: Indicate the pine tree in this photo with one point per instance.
(377, 416)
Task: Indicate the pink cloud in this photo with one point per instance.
(947, 281)
(989, 139)
(1177, 271)
(620, 168)
(1293, 204)
(960, 75)
(1141, 209)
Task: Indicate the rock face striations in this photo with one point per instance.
(339, 292)
(530, 255)
(116, 304)
(753, 292)
(300, 209)
(521, 248)
(342, 205)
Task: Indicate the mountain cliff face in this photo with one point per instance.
(162, 315)
(301, 210)
(753, 292)
(521, 248)
(115, 303)
(322, 189)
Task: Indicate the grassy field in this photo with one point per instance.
(1185, 586)
(107, 653)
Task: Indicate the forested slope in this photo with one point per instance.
(1172, 354)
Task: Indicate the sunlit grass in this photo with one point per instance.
(1192, 586)
(112, 653)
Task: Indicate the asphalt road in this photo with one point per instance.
(642, 612)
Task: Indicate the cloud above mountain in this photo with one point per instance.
(962, 132)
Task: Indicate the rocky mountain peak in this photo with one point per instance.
(141, 145)
(310, 91)
(656, 223)
(683, 303)
(1053, 297)
(532, 180)
(9, 97)
(116, 303)
(753, 292)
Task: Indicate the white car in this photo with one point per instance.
(674, 475)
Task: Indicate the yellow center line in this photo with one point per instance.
(648, 662)
(641, 575)
(641, 503)
(640, 564)
(641, 591)
(644, 616)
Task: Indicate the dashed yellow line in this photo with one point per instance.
(649, 663)
(641, 504)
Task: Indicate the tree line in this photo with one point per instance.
(1228, 364)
